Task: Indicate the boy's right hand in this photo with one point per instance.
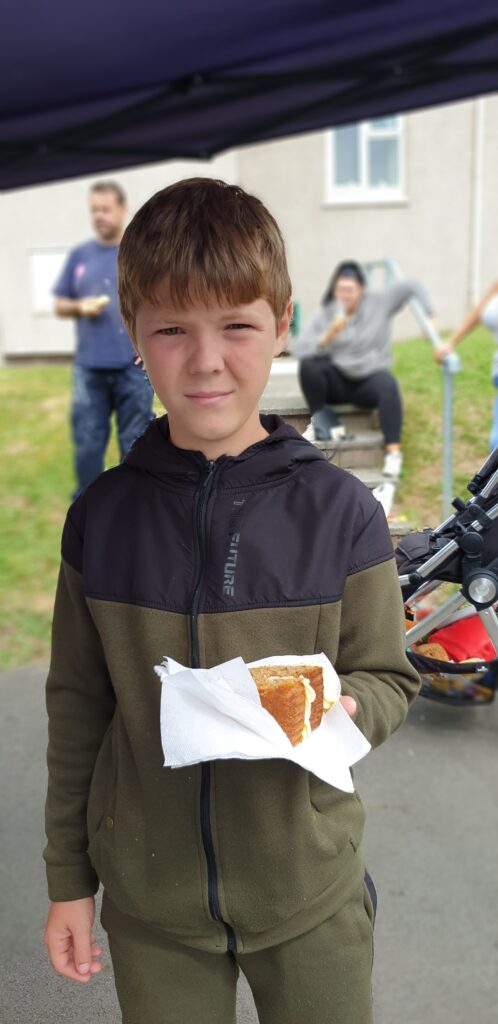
(69, 938)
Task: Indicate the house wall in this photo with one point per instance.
(432, 233)
(489, 223)
(428, 234)
(54, 217)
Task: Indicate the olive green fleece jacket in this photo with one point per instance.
(272, 552)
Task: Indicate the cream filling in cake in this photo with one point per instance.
(309, 697)
(329, 689)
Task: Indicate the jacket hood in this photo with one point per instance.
(276, 455)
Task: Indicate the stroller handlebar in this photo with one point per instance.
(483, 475)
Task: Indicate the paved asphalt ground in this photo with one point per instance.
(431, 843)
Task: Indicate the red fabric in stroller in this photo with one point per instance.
(461, 550)
(465, 639)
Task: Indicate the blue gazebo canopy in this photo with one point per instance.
(117, 83)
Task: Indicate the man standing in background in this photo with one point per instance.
(105, 377)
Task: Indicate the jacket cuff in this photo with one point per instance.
(71, 883)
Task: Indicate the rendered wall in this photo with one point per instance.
(429, 234)
(433, 234)
(56, 217)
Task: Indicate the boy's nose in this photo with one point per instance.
(205, 354)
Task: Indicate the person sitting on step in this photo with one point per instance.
(345, 356)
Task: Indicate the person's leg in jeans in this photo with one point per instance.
(132, 398)
(321, 384)
(493, 438)
(381, 391)
(90, 421)
(321, 977)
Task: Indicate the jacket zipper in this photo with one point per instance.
(205, 795)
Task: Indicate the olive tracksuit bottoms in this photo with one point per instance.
(321, 977)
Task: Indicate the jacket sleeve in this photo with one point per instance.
(372, 661)
(307, 343)
(80, 705)
(400, 293)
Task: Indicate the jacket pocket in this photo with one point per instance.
(370, 897)
(342, 811)
(322, 796)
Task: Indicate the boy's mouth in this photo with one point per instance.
(207, 397)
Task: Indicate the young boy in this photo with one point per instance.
(229, 864)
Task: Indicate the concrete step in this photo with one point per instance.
(284, 397)
(399, 528)
(294, 415)
(365, 450)
(353, 418)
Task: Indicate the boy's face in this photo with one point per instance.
(209, 367)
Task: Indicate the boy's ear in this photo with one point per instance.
(133, 340)
(283, 329)
(138, 360)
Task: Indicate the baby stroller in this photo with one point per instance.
(459, 556)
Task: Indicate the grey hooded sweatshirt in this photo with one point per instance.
(363, 347)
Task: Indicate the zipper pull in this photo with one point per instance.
(210, 467)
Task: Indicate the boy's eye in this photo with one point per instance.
(169, 331)
(238, 327)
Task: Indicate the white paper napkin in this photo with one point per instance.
(211, 714)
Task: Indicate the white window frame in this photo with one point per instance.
(45, 266)
(364, 194)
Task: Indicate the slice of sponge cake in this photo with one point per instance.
(293, 694)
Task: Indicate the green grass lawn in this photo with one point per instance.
(35, 477)
(36, 472)
(421, 379)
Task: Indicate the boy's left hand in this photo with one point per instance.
(349, 705)
(70, 941)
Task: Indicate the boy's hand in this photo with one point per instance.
(349, 705)
(70, 940)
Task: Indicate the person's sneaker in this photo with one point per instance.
(309, 433)
(337, 433)
(385, 495)
(392, 463)
(324, 421)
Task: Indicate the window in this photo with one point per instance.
(365, 162)
(44, 269)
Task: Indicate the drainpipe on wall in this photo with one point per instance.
(476, 199)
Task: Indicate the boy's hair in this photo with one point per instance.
(110, 186)
(198, 240)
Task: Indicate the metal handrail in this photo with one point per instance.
(450, 365)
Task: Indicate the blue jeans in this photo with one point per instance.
(96, 395)
(493, 440)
